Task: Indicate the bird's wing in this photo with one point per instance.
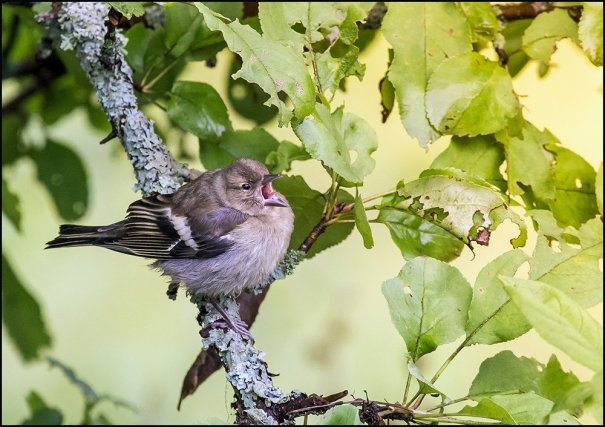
(153, 230)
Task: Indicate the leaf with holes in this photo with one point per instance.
(271, 65)
(428, 302)
(331, 137)
(468, 207)
(574, 202)
(528, 163)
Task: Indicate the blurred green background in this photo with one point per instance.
(324, 329)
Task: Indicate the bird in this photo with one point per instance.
(220, 234)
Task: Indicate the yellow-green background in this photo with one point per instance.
(324, 329)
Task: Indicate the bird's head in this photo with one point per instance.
(249, 187)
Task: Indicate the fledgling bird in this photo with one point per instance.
(218, 235)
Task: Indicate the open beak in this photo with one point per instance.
(272, 198)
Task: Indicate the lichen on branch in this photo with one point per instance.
(99, 47)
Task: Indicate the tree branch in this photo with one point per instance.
(100, 50)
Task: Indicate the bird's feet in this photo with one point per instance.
(237, 324)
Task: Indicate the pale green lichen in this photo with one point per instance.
(82, 27)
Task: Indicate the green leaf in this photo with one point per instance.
(559, 320)
(362, 224)
(574, 202)
(128, 9)
(599, 189)
(524, 408)
(562, 418)
(45, 417)
(486, 408)
(490, 309)
(387, 92)
(568, 259)
(330, 138)
(281, 159)
(428, 303)
(10, 206)
(440, 32)
(506, 373)
(595, 403)
(557, 386)
(247, 99)
(513, 41)
(480, 156)
(308, 205)
(468, 207)
(546, 29)
(62, 172)
(330, 29)
(271, 65)
(182, 26)
(339, 60)
(22, 316)
(481, 19)
(470, 95)
(590, 31)
(424, 385)
(416, 236)
(254, 144)
(198, 108)
(342, 415)
(41, 413)
(232, 10)
(12, 145)
(528, 162)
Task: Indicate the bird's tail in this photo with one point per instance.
(85, 235)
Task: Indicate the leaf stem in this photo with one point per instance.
(451, 402)
(377, 196)
(460, 347)
(148, 86)
(453, 420)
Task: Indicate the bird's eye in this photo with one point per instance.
(246, 186)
